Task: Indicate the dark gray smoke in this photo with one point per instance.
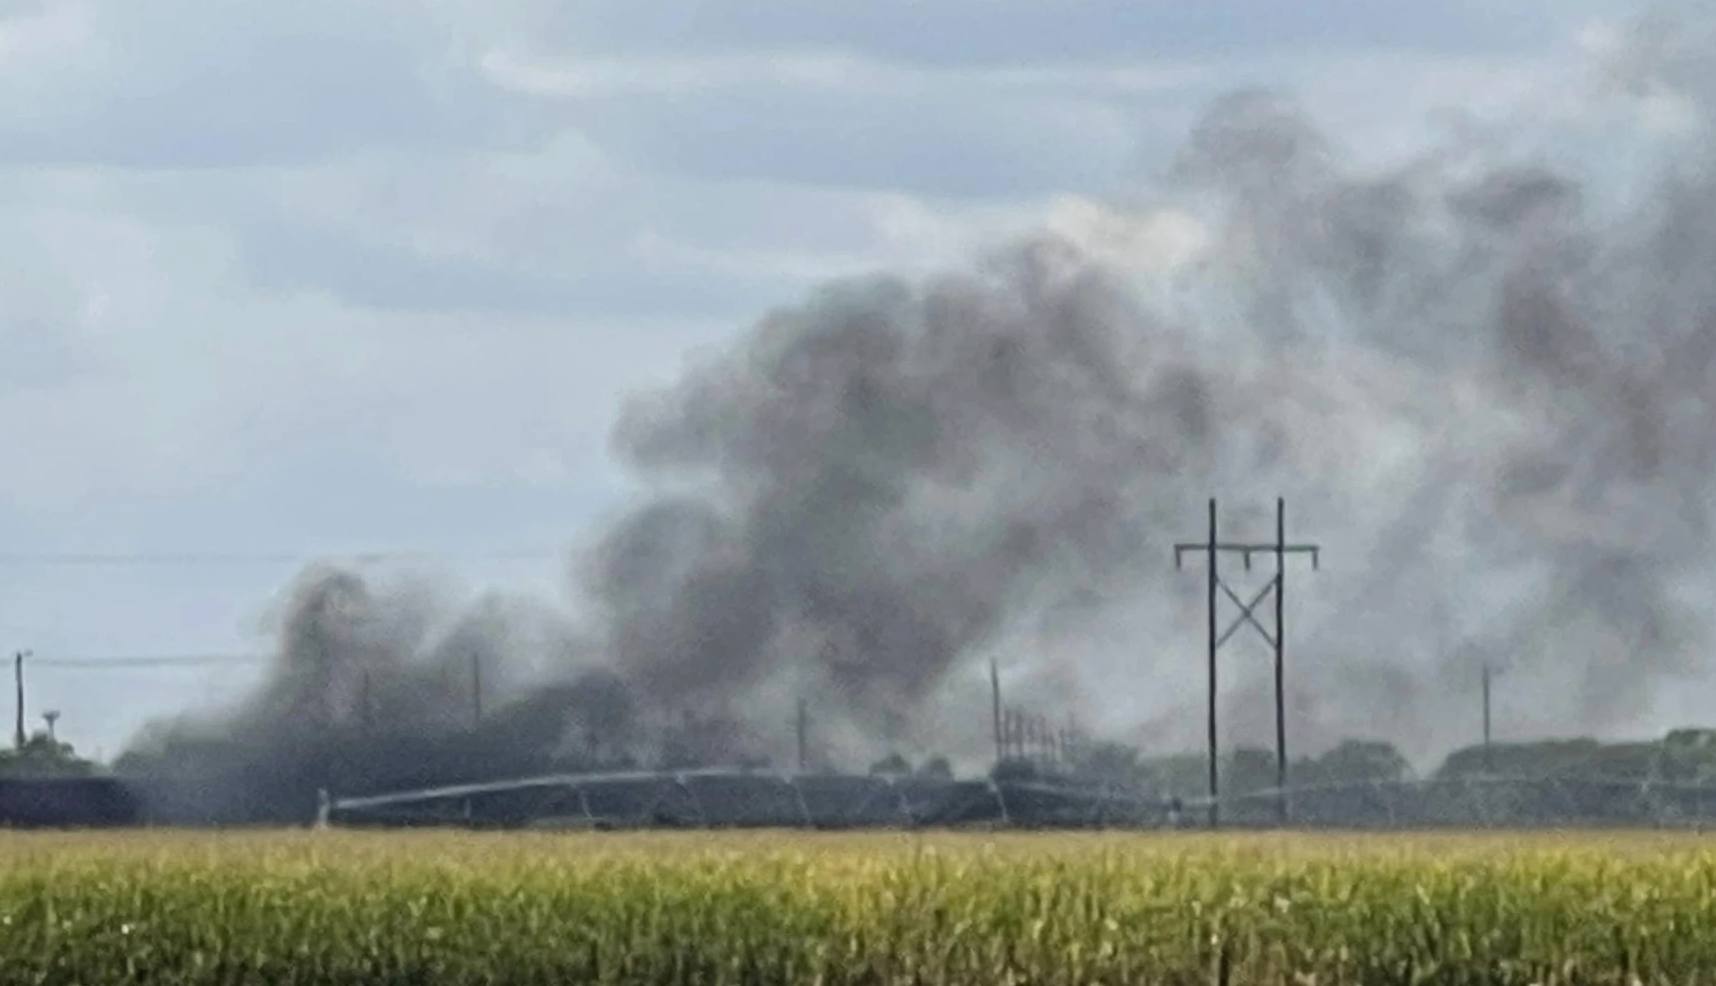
(886, 476)
(1482, 385)
(373, 688)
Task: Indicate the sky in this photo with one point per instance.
(347, 276)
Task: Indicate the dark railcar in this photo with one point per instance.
(72, 802)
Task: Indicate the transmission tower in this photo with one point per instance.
(1213, 547)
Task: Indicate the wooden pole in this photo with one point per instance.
(1214, 643)
(1281, 656)
(18, 674)
(476, 690)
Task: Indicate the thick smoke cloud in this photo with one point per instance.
(886, 475)
(1485, 391)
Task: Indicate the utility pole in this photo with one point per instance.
(476, 690)
(1489, 755)
(1214, 580)
(1281, 653)
(18, 674)
(1213, 547)
(995, 711)
(803, 736)
(364, 704)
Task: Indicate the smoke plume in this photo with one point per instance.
(1482, 381)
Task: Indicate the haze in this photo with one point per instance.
(484, 280)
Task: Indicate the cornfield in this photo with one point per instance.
(328, 908)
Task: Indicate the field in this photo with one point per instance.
(328, 907)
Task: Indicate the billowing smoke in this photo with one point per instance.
(374, 687)
(1483, 383)
(882, 479)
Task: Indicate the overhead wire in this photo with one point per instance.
(116, 559)
(146, 661)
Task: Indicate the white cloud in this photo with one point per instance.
(37, 43)
(1158, 242)
(831, 71)
(216, 83)
(949, 32)
(171, 369)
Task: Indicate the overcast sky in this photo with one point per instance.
(346, 275)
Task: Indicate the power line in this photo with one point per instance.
(119, 559)
(146, 661)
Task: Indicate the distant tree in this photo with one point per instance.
(1690, 740)
(1182, 774)
(1355, 760)
(1248, 769)
(1689, 756)
(1111, 763)
(893, 764)
(43, 756)
(1684, 755)
(1582, 757)
(936, 768)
